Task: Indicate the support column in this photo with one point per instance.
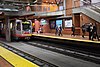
(64, 4)
(7, 28)
(73, 3)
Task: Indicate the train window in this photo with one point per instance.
(18, 26)
(10, 25)
(26, 26)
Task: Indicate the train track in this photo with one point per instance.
(47, 45)
(89, 56)
(33, 59)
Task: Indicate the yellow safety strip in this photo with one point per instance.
(15, 59)
(65, 38)
(26, 34)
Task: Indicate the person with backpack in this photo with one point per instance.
(90, 28)
(94, 32)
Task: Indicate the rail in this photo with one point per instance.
(40, 62)
(69, 51)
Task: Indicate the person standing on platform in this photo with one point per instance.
(90, 28)
(73, 30)
(56, 28)
(83, 30)
(94, 32)
(60, 31)
(40, 30)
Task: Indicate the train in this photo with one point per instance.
(21, 30)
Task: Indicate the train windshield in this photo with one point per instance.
(26, 26)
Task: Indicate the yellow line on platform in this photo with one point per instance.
(15, 59)
(65, 38)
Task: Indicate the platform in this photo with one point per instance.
(4, 63)
(67, 37)
(15, 60)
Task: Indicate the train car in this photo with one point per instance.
(21, 30)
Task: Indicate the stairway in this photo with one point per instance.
(92, 11)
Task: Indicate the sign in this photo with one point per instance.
(61, 7)
(68, 23)
(43, 22)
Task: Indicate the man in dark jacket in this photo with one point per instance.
(60, 31)
(94, 32)
(83, 30)
(56, 30)
(73, 30)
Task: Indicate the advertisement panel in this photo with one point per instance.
(68, 23)
(52, 24)
(59, 22)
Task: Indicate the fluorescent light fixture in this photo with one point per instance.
(14, 10)
(1, 9)
(6, 9)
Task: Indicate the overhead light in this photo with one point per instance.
(80, 14)
(0, 12)
(35, 1)
(46, 1)
(28, 4)
(14, 10)
(6, 9)
(1, 9)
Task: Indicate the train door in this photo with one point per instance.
(12, 28)
(1, 27)
(18, 29)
